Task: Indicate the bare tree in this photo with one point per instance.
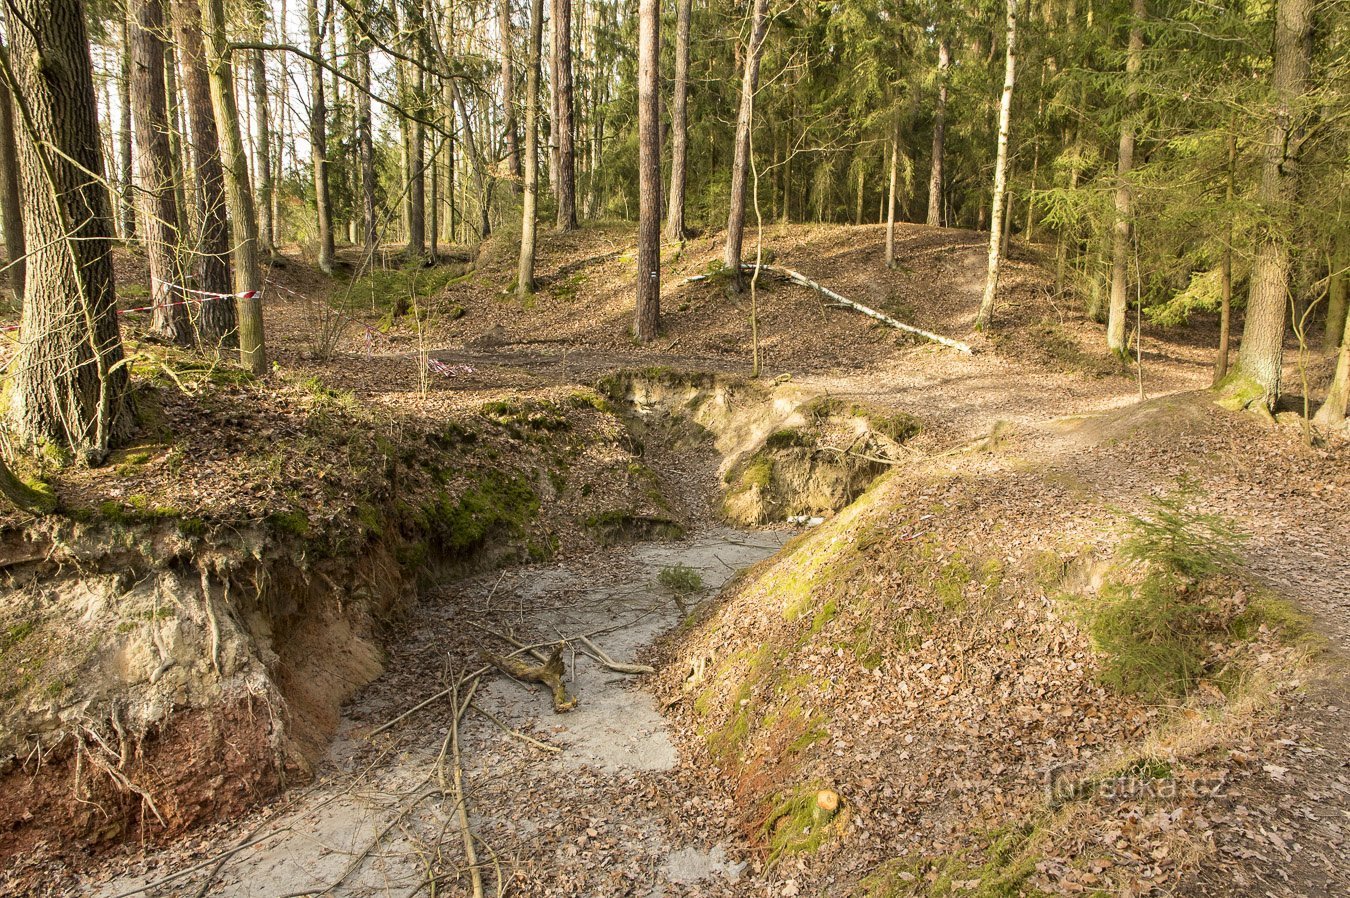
(155, 171)
(529, 204)
(1122, 227)
(985, 318)
(238, 190)
(69, 382)
(11, 207)
(318, 136)
(262, 122)
(647, 318)
(740, 166)
(563, 128)
(939, 136)
(216, 320)
(508, 88)
(679, 125)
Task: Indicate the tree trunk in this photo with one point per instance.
(216, 321)
(416, 172)
(563, 128)
(475, 163)
(530, 202)
(154, 170)
(262, 122)
(744, 121)
(647, 318)
(1118, 310)
(1333, 410)
(890, 197)
(679, 125)
(173, 101)
(508, 89)
(238, 190)
(69, 383)
(11, 197)
(1226, 270)
(985, 319)
(318, 138)
(1338, 288)
(939, 136)
(1262, 348)
(365, 143)
(127, 209)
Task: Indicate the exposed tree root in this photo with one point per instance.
(550, 674)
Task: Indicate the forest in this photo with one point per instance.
(906, 441)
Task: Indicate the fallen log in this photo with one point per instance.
(550, 674)
(802, 280)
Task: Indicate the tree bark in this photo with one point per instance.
(238, 190)
(1121, 230)
(11, 196)
(318, 138)
(173, 100)
(744, 122)
(365, 143)
(1338, 288)
(1262, 349)
(69, 384)
(262, 122)
(890, 197)
(679, 124)
(508, 89)
(564, 128)
(530, 202)
(476, 165)
(216, 321)
(127, 209)
(647, 317)
(985, 319)
(939, 136)
(1226, 271)
(1334, 408)
(154, 170)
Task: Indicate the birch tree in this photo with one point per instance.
(984, 320)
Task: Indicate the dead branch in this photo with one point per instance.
(550, 674)
(617, 666)
(516, 734)
(461, 803)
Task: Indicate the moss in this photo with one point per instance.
(951, 583)
(192, 527)
(1000, 870)
(370, 518)
(493, 503)
(590, 399)
(758, 473)
(824, 615)
(620, 526)
(896, 426)
(788, 438)
(1238, 391)
(525, 414)
(294, 522)
(794, 824)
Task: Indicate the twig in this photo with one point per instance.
(462, 805)
(516, 734)
(616, 666)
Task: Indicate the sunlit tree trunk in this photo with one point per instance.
(1226, 272)
(891, 197)
(985, 319)
(11, 195)
(679, 125)
(530, 201)
(507, 83)
(262, 122)
(1262, 349)
(564, 129)
(1338, 288)
(1121, 229)
(365, 144)
(238, 190)
(939, 136)
(647, 317)
(127, 210)
(68, 384)
(154, 170)
(318, 139)
(740, 166)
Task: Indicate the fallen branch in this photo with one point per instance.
(550, 674)
(516, 734)
(617, 666)
(802, 280)
(461, 803)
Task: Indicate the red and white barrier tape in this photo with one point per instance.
(440, 367)
(205, 297)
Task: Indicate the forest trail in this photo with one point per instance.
(617, 806)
